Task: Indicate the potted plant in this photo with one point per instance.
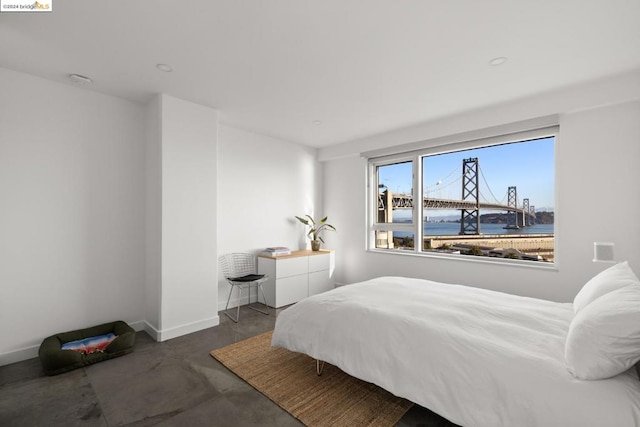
(315, 230)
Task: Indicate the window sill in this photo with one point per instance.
(550, 266)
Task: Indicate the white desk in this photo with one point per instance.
(296, 276)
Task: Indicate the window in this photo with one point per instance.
(491, 198)
(395, 225)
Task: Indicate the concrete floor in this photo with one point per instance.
(173, 383)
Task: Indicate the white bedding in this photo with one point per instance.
(476, 357)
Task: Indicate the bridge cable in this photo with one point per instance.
(445, 178)
(489, 188)
(440, 187)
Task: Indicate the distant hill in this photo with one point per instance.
(501, 218)
(542, 217)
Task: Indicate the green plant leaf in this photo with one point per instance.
(315, 228)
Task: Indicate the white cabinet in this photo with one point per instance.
(319, 280)
(296, 276)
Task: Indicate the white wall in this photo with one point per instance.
(597, 197)
(189, 134)
(262, 184)
(153, 218)
(71, 211)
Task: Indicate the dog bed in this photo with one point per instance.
(55, 360)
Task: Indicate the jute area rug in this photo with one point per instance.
(289, 379)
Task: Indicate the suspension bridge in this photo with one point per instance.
(519, 214)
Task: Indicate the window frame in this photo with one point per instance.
(415, 153)
(373, 207)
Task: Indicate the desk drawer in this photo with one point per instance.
(291, 289)
(288, 267)
(318, 262)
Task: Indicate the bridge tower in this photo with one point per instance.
(470, 218)
(532, 214)
(512, 215)
(384, 239)
(525, 212)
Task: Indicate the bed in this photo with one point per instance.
(474, 356)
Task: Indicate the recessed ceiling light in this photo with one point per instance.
(80, 80)
(164, 67)
(498, 61)
(317, 122)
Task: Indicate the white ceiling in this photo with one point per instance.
(360, 67)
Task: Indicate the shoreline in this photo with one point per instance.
(539, 246)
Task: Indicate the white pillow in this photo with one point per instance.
(604, 337)
(616, 277)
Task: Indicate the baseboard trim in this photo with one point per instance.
(151, 331)
(141, 325)
(138, 326)
(19, 355)
(187, 328)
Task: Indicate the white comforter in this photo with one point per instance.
(476, 357)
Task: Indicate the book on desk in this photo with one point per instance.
(275, 251)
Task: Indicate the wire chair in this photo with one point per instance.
(239, 269)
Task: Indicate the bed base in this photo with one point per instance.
(319, 366)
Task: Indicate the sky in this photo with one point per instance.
(527, 165)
